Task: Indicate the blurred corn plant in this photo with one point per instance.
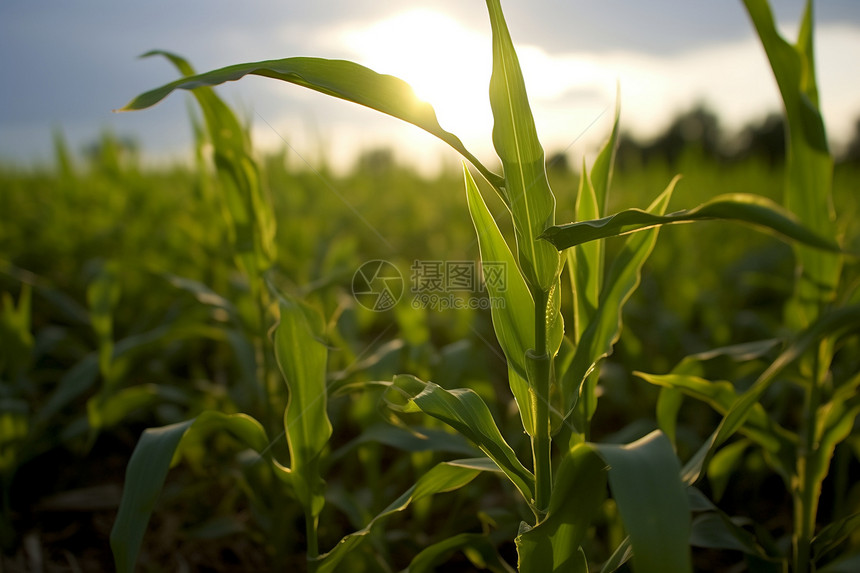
(816, 356)
(552, 364)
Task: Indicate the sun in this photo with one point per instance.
(447, 64)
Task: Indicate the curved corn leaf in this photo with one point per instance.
(466, 412)
(670, 400)
(443, 477)
(529, 197)
(605, 327)
(832, 535)
(809, 164)
(579, 489)
(645, 480)
(337, 78)
(832, 324)
(479, 545)
(156, 451)
(753, 209)
(721, 395)
(302, 358)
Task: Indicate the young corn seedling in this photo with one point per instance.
(552, 364)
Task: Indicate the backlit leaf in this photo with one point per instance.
(337, 78)
(753, 209)
(529, 197)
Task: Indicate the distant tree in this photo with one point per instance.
(764, 140)
(629, 153)
(698, 127)
(558, 162)
(376, 161)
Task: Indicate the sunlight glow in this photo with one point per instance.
(447, 64)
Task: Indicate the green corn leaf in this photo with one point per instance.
(670, 400)
(579, 488)
(752, 209)
(669, 404)
(466, 412)
(723, 465)
(246, 208)
(809, 163)
(16, 337)
(721, 395)
(512, 307)
(302, 358)
(337, 78)
(443, 477)
(619, 557)
(529, 197)
(105, 411)
(645, 481)
(832, 324)
(831, 536)
(604, 163)
(103, 296)
(585, 261)
(83, 375)
(475, 545)
(605, 327)
(147, 469)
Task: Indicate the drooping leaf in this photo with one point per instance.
(529, 197)
(443, 477)
(578, 491)
(753, 209)
(645, 481)
(337, 78)
(147, 470)
(466, 412)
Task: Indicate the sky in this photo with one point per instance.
(67, 65)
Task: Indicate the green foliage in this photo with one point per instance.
(226, 283)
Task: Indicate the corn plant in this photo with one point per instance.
(552, 363)
(817, 356)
